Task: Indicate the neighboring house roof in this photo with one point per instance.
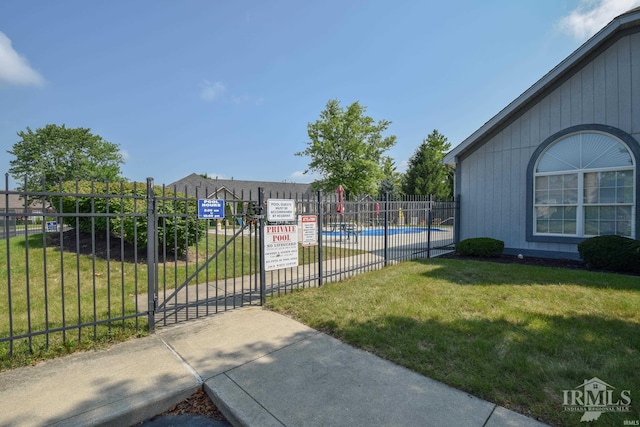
(574, 62)
(238, 188)
(16, 203)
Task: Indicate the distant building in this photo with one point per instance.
(208, 188)
(14, 204)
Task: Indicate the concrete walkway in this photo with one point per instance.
(259, 367)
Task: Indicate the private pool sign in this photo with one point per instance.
(280, 246)
(280, 239)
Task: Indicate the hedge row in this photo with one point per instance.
(614, 253)
(101, 207)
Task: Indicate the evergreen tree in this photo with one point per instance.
(426, 174)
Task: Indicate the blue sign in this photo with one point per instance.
(52, 226)
(210, 209)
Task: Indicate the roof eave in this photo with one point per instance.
(587, 47)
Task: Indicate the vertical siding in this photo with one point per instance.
(587, 107)
(624, 81)
(605, 91)
(634, 42)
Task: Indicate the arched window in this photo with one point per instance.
(583, 185)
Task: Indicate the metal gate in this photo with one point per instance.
(219, 272)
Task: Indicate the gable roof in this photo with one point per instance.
(16, 203)
(620, 26)
(197, 185)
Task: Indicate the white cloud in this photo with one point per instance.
(215, 175)
(210, 91)
(217, 91)
(592, 15)
(125, 154)
(299, 175)
(15, 69)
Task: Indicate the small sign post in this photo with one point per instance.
(281, 210)
(210, 209)
(309, 230)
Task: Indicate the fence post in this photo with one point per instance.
(386, 228)
(261, 222)
(456, 219)
(152, 234)
(320, 260)
(429, 221)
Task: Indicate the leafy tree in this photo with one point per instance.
(426, 174)
(346, 148)
(56, 153)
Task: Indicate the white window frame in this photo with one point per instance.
(580, 204)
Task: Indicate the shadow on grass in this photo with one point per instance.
(471, 272)
(523, 365)
(82, 243)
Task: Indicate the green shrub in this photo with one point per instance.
(120, 209)
(480, 246)
(614, 253)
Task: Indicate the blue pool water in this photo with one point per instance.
(380, 231)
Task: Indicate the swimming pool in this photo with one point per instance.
(380, 231)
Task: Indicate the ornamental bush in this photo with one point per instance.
(120, 209)
(614, 253)
(480, 246)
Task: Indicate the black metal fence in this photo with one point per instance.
(105, 259)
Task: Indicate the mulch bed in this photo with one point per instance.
(198, 403)
(513, 259)
(571, 264)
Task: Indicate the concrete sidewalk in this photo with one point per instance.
(259, 367)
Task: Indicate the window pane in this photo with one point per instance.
(542, 182)
(591, 188)
(591, 228)
(624, 179)
(625, 195)
(571, 196)
(561, 156)
(542, 226)
(607, 227)
(555, 196)
(607, 179)
(607, 213)
(602, 151)
(607, 195)
(542, 197)
(570, 227)
(555, 226)
(556, 182)
(590, 213)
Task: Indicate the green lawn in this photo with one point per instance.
(512, 334)
(37, 301)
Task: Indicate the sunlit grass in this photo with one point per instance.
(512, 334)
(51, 289)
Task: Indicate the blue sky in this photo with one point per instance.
(227, 88)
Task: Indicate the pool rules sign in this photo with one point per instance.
(280, 241)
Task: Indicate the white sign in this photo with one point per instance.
(309, 230)
(52, 226)
(280, 246)
(281, 210)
